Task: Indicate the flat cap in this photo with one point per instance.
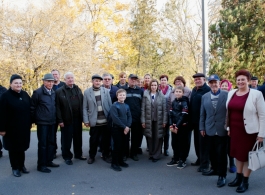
(198, 75)
(254, 78)
(48, 77)
(96, 76)
(133, 76)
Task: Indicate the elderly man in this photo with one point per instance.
(134, 100)
(69, 108)
(57, 84)
(212, 120)
(43, 113)
(96, 106)
(254, 82)
(195, 104)
(107, 83)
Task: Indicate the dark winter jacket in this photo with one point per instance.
(112, 93)
(134, 100)
(120, 115)
(64, 112)
(55, 87)
(119, 85)
(178, 113)
(43, 109)
(15, 120)
(195, 103)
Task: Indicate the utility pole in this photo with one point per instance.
(205, 40)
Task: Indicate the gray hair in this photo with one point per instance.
(68, 73)
(106, 75)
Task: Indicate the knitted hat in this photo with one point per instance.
(15, 76)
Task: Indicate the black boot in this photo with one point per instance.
(237, 181)
(243, 186)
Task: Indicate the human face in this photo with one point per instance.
(214, 85)
(141, 83)
(242, 82)
(199, 81)
(56, 75)
(16, 85)
(48, 84)
(254, 83)
(147, 79)
(121, 97)
(107, 81)
(132, 82)
(178, 93)
(96, 83)
(163, 81)
(123, 79)
(224, 86)
(69, 80)
(154, 87)
(179, 83)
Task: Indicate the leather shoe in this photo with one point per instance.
(68, 162)
(44, 169)
(196, 163)
(123, 164)
(24, 170)
(154, 160)
(221, 181)
(135, 158)
(150, 158)
(90, 160)
(51, 164)
(16, 173)
(107, 159)
(81, 158)
(209, 173)
(116, 167)
(202, 170)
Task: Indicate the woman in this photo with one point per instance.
(15, 124)
(166, 90)
(147, 79)
(122, 78)
(179, 81)
(245, 125)
(226, 85)
(154, 119)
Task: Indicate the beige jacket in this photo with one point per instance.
(254, 112)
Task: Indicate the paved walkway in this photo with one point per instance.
(141, 178)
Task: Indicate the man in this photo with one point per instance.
(195, 104)
(107, 83)
(122, 83)
(57, 84)
(254, 83)
(2, 90)
(96, 106)
(43, 113)
(212, 120)
(134, 100)
(69, 107)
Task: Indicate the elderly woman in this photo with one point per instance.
(225, 85)
(180, 81)
(15, 124)
(245, 125)
(154, 119)
(166, 90)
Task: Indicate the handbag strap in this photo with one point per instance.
(256, 145)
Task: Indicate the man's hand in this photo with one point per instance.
(164, 125)
(3, 133)
(87, 124)
(203, 133)
(126, 130)
(228, 133)
(61, 124)
(143, 125)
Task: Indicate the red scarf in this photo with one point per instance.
(164, 91)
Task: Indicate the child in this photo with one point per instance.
(178, 126)
(121, 118)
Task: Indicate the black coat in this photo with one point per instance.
(195, 103)
(43, 110)
(178, 113)
(15, 120)
(64, 112)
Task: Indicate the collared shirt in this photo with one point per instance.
(48, 90)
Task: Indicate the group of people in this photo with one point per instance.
(118, 116)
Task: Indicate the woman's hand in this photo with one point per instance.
(3, 133)
(164, 125)
(143, 125)
(228, 133)
(260, 139)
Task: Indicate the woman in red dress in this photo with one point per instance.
(245, 125)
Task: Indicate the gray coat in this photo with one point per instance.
(160, 113)
(212, 120)
(90, 110)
